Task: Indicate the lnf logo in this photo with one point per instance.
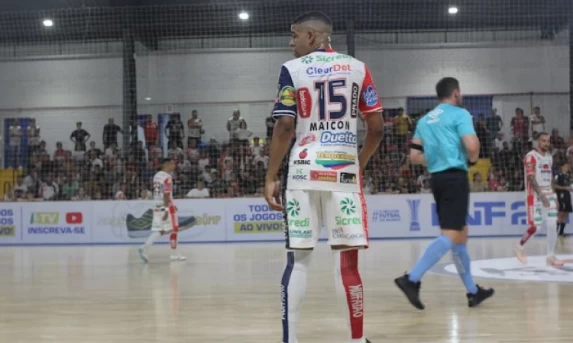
(484, 213)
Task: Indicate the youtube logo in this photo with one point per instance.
(74, 218)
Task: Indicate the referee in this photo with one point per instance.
(562, 186)
(445, 141)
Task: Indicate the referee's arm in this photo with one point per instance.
(465, 128)
(417, 152)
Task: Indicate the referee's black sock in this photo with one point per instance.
(562, 229)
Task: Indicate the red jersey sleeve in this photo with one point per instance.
(369, 100)
(529, 163)
(168, 185)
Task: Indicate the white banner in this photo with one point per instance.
(242, 219)
(10, 223)
(250, 219)
(130, 221)
(56, 222)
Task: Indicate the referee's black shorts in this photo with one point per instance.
(564, 199)
(451, 189)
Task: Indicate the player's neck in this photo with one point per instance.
(449, 102)
(540, 152)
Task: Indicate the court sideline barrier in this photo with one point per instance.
(241, 219)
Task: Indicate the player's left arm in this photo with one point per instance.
(285, 112)
(371, 108)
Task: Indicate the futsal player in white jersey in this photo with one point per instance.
(164, 212)
(320, 96)
(541, 201)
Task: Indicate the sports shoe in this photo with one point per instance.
(520, 253)
(411, 290)
(178, 258)
(368, 341)
(143, 255)
(481, 295)
(554, 262)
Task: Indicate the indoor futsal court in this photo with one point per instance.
(231, 293)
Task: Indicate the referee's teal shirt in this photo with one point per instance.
(441, 132)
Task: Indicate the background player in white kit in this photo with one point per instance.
(541, 200)
(320, 95)
(164, 211)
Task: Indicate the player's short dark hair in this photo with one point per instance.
(313, 15)
(540, 134)
(446, 87)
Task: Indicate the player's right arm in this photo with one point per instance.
(466, 131)
(530, 173)
(371, 109)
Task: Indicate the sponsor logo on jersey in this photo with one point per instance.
(298, 227)
(339, 233)
(303, 154)
(328, 176)
(287, 96)
(347, 178)
(370, 96)
(304, 102)
(330, 125)
(320, 58)
(334, 69)
(302, 161)
(334, 160)
(307, 140)
(338, 138)
(354, 102)
(300, 175)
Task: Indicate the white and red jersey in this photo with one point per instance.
(325, 91)
(540, 165)
(162, 183)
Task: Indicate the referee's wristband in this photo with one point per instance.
(416, 147)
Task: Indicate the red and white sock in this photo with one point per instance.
(528, 234)
(350, 292)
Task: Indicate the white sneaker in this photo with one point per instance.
(520, 253)
(178, 258)
(552, 261)
(143, 254)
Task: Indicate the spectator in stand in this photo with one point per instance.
(150, 130)
(199, 192)
(388, 124)
(477, 184)
(507, 158)
(15, 142)
(537, 120)
(483, 136)
(32, 181)
(79, 137)
(234, 124)
(60, 153)
(516, 183)
(112, 151)
(402, 125)
(49, 190)
(520, 130)
(217, 186)
(204, 161)
(70, 188)
(270, 124)
(20, 188)
(262, 158)
(183, 165)
(426, 187)
(34, 139)
(110, 131)
(498, 142)
(195, 125)
(140, 155)
(81, 195)
(213, 151)
(93, 151)
(494, 124)
(557, 142)
(256, 147)
(192, 153)
(174, 131)
(569, 153)
(121, 193)
(174, 151)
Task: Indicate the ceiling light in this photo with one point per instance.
(148, 99)
(48, 22)
(453, 10)
(244, 15)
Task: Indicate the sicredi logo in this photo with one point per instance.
(337, 68)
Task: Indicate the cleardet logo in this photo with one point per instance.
(317, 71)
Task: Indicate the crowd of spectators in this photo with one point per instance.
(237, 167)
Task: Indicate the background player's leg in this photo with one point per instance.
(350, 292)
(550, 219)
(293, 290)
